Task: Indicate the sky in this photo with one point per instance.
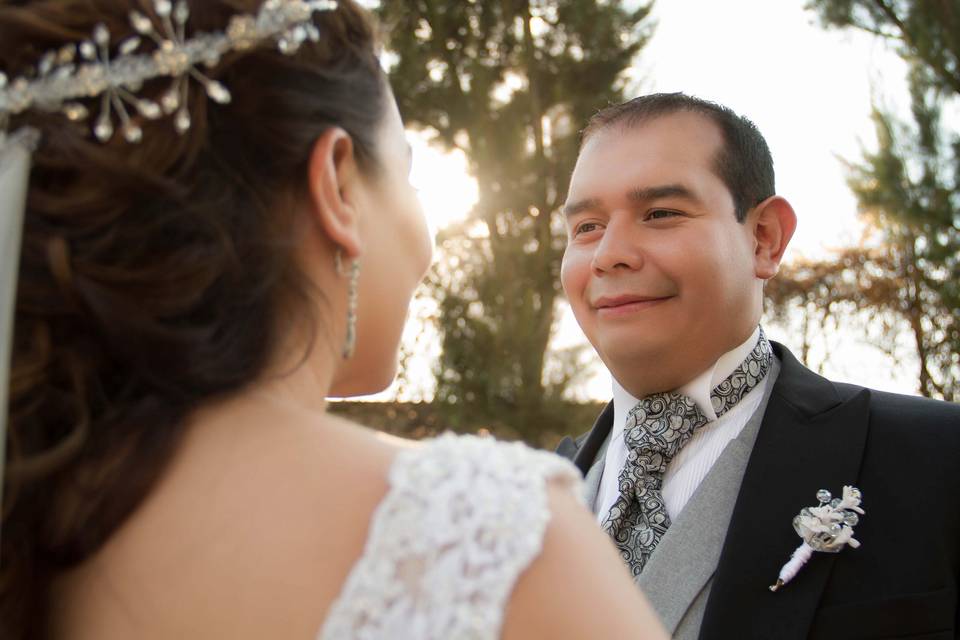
(809, 90)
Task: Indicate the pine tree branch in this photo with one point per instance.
(446, 53)
(879, 33)
(908, 39)
(536, 120)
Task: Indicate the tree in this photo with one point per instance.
(926, 32)
(509, 82)
(909, 191)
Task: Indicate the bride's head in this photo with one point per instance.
(157, 275)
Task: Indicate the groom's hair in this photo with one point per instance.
(743, 163)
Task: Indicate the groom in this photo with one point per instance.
(716, 438)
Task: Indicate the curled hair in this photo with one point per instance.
(743, 162)
(152, 275)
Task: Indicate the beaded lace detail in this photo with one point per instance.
(463, 518)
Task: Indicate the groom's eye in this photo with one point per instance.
(659, 214)
(585, 227)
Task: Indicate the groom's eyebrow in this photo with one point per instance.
(573, 208)
(659, 192)
(636, 195)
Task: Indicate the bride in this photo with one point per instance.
(219, 233)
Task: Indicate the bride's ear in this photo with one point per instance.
(334, 186)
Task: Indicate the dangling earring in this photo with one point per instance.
(350, 343)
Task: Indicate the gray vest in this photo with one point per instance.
(678, 576)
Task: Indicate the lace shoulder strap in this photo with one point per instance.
(464, 516)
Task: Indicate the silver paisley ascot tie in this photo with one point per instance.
(656, 430)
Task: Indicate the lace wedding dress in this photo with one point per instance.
(462, 519)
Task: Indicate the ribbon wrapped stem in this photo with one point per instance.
(799, 558)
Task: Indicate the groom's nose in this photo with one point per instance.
(621, 247)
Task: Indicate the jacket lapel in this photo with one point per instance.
(566, 448)
(590, 444)
(591, 482)
(811, 438)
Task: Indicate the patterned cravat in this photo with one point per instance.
(656, 430)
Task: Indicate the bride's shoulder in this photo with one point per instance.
(477, 462)
(462, 519)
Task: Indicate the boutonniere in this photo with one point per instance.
(827, 527)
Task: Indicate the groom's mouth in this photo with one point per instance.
(615, 306)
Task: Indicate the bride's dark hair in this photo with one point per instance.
(152, 275)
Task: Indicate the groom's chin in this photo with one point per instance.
(638, 367)
(634, 351)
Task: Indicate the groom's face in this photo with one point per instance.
(658, 270)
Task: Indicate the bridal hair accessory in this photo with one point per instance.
(91, 69)
(350, 342)
(827, 527)
(87, 69)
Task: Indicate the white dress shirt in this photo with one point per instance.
(687, 470)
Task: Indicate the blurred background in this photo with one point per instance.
(858, 100)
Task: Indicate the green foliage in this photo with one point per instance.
(927, 31)
(509, 83)
(909, 190)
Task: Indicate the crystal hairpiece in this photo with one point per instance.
(87, 70)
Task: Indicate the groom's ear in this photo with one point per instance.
(772, 223)
(335, 188)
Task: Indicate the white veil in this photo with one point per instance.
(14, 175)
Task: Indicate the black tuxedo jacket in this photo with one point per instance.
(904, 455)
